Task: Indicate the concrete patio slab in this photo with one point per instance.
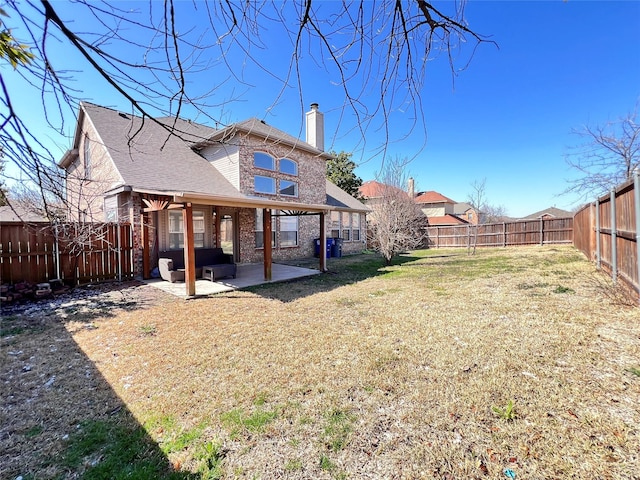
(247, 275)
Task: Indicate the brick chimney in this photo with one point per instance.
(411, 189)
(315, 127)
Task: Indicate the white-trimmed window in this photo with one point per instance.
(288, 230)
(260, 232)
(176, 229)
(346, 226)
(288, 188)
(264, 160)
(335, 224)
(264, 184)
(355, 227)
(288, 166)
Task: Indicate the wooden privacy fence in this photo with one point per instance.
(607, 231)
(543, 231)
(75, 253)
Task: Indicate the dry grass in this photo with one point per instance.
(404, 371)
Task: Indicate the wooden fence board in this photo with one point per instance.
(78, 254)
(610, 217)
(503, 234)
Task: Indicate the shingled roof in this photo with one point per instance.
(433, 197)
(159, 156)
(260, 128)
(336, 197)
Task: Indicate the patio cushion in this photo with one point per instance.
(203, 256)
(168, 273)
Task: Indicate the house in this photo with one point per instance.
(441, 210)
(16, 213)
(548, 213)
(466, 212)
(373, 191)
(184, 185)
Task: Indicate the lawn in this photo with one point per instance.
(513, 363)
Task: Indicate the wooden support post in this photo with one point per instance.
(218, 241)
(323, 243)
(189, 252)
(266, 229)
(146, 273)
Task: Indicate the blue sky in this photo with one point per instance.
(507, 117)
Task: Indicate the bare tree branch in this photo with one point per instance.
(607, 158)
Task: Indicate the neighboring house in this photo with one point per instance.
(547, 213)
(466, 212)
(441, 210)
(18, 214)
(157, 174)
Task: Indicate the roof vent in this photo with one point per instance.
(123, 115)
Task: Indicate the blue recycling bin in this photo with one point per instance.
(328, 247)
(336, 248)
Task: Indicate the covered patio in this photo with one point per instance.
(248, 275)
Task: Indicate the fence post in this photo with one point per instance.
(504, 231)
(598, 257)
(56, 245)
(614, 238)
(636, 197)
(541, 231)
(119, 250)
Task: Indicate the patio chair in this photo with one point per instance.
(165, 265)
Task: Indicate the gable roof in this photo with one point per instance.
(254, 126)
(336, 197)
(432, 197)
(463, 207)
(375, 189)
(150, 159)
(551, 211)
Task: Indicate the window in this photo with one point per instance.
(264, 184)
(335, 224)
(87, 157)
(260, 231)
(288, 166)
(288, 188)
(198, 229)
(263, 160)
(288, 231)
(176, 234)
(176, 231)
(355, 227)
(346, 226)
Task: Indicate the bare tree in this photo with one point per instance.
(170, 59)
(485, 212)
(607, 158)
(396, 223)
